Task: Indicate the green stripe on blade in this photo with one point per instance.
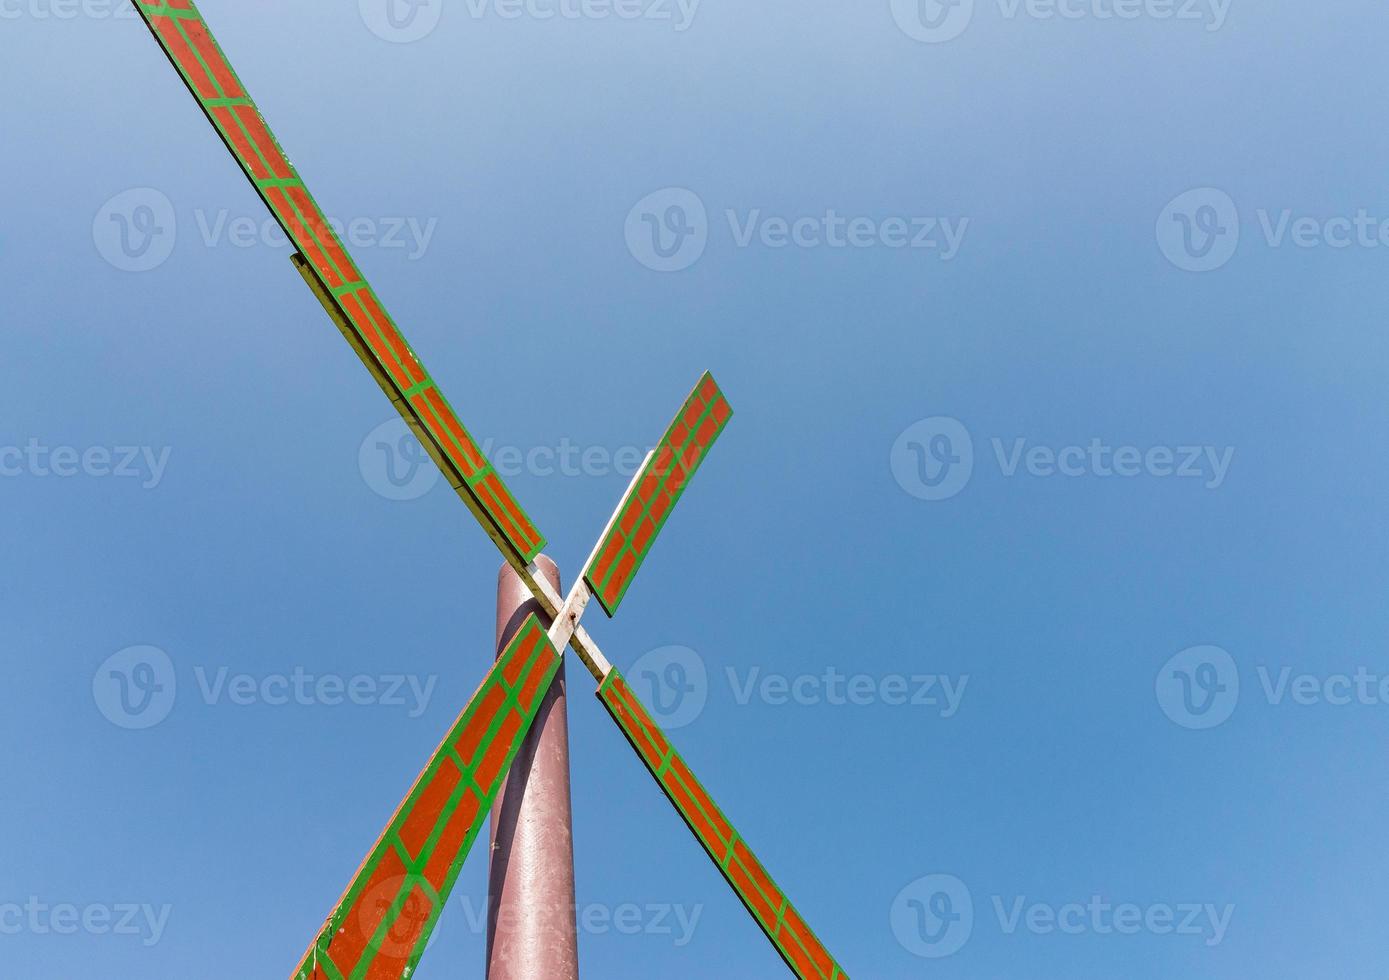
(358, 312)
(793, 939)
(654, 493)
(383, 922)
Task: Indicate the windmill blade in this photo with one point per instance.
(798, 946)
(353, 305)
(654, 492)
(382, 924)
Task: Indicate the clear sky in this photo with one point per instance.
(1028, 618)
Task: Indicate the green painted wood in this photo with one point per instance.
(354, 305)
(653, 495)
(382, 924)
(801, 950)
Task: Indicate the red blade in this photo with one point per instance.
(382, 923)
(798, 946)
(654, 493)
(350, 300)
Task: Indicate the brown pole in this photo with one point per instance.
(532, 931)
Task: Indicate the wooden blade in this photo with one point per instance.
(382, 924)
(653, 494)
(340, 286)
(798, 946)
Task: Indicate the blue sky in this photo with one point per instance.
(1032, 602)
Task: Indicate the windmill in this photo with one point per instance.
(381, 926)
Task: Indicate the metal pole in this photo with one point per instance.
(532, 931)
